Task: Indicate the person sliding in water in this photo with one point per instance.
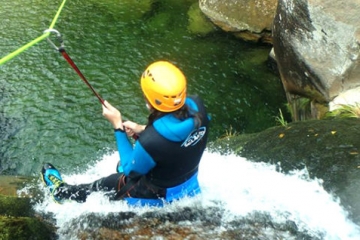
(162, 165)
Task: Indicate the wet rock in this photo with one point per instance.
(10, 185)
(184, 223)
(248, 20)
(25, 228)
(317, 46)
(15, 207)
(328, 149)
(18, 220)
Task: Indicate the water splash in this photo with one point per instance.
(235, 186)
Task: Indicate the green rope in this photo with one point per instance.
(57, 15)
(23, 48)
(33, 42)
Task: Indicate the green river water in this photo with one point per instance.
(48, 114)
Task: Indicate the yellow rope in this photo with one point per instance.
(33, 42)
(57, 15)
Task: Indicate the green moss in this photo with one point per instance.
(17, 217)
(160, 21)
(231, 143)
(24, 228)
(16, 207)
(329, 149)
(198, 23)
(313, 93)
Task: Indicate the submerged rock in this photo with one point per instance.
(185, 223)
(248, 20)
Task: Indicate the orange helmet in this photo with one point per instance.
(164, 86)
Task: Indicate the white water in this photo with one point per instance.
(241, 186)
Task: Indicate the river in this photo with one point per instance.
(48, 113)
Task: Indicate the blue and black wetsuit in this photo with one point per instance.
(165, 158)
(161, 167)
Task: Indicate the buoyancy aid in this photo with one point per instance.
(176, 147)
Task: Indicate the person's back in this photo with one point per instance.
(176, 146)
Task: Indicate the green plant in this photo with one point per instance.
(229, 133)
(345, 111)
(280, 119)
(303, 103)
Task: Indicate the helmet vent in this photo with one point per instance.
(150, 75)
(158, 102)
(177, 101)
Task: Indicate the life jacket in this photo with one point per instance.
(177, 161)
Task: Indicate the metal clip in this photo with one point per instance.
(58, 35)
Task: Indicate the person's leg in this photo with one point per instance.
(80, 192)
(61, 190)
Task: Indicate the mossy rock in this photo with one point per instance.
(299, 144)
(17, 194)
(198, 23)
(16, 207)
(25, 228)
(10, 185)
(18, 219)
(324, 147)
(327, 149)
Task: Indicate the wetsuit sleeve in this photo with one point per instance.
(136, 159)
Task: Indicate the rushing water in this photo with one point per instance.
(237, 188)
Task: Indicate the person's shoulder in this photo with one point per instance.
(172, 128)
(194, 102)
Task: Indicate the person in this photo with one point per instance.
(162, 165)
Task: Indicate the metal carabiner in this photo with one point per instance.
(58, 35)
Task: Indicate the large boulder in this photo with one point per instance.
(248, 19)
(317, 48)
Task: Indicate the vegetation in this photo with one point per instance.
(345, 111)
(280, 119)
(229, 133)
(19, 221)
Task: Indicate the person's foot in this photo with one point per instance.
(52, 178)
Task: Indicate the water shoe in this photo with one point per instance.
(52, 178)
